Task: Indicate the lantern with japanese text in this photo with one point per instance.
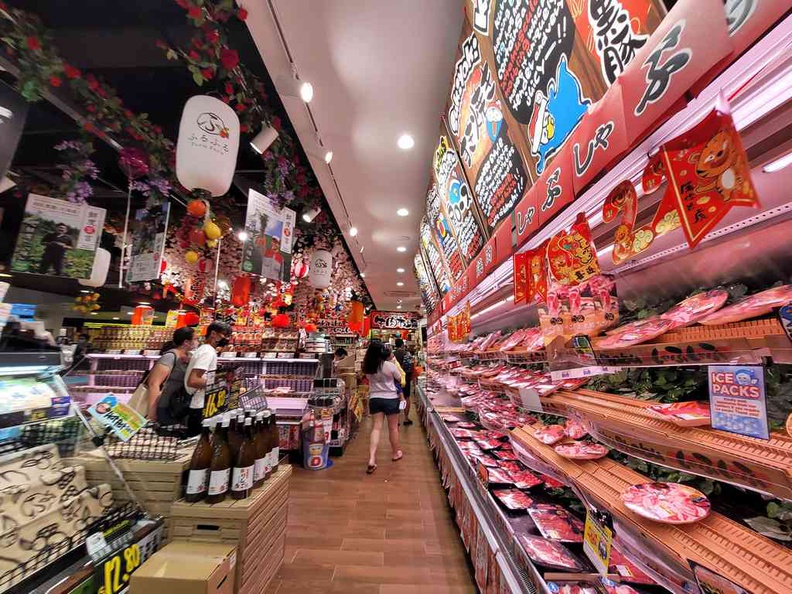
(206, 152)
(321, 269)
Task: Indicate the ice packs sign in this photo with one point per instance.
(477, 120)
(737, 399)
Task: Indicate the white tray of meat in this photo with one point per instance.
(496, 476)
(571, 588)
(751, 307)
(549, 553)
(696, 307)
(580, 450)
(575, 430)
(669, 503)
(462, 434)
(513, 499)
(466, 425)
(634, 333)
(549, 434)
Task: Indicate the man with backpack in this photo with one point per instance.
(405, 359)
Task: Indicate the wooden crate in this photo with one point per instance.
(155, 484)
(256, 524)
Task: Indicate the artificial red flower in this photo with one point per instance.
(93, 84)
(207, 73)
(240, 107)
(242, 14)
(33, 43)
(55, 81)
(91, 108)
(70, 71)
(229, 58)
(229, 89)
(243, 128)
(193, 55)
(194, 12)
(212, 36)
(276, 123)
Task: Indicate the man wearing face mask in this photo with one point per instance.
(201, 371)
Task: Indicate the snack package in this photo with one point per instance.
(557, 524)
(513, 499)
(550, 554)
(549, 434)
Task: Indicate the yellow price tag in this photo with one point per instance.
(118, 569)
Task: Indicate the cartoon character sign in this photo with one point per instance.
(556, 114)
(708, 173)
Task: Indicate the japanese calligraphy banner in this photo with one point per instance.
(482, 132)
(58, 237)
(456, 200)
(393, 320)
(434, 258)
(444, 235)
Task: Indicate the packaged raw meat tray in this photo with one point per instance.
(498, 477)
(525, 479)
(575, 430)
(571, 588)
(670, 503)
(696, 307)
(557, 524)
(685, 414)
(581, 450)
(634, 333)
(504, 454)
(751, 307)
(549, 434)
(513, 499)
(549, 553)
(462, 433)
(629, 572)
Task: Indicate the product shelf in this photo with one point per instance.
(627, 425)
(739, 554)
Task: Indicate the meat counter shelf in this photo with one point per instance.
(626, 424)
(739, 554)
(520, 577)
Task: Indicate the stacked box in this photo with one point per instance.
(257, 524)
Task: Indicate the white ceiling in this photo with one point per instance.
(379, 68)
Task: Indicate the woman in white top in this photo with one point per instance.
(384, 399)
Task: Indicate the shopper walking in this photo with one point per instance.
(168, 399)
(201, 372)
(384, 400)
(407, 363)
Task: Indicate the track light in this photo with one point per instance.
(262, 141)
(328, 156)
(294, 87)
(353, 231)
(310, 214)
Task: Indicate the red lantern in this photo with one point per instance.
(191, 319)
(356, 328)
(356, 313)
(300, 269)
(281, 320)
(197, 236)
(240, 291)
(310, 327)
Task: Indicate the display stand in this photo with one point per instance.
(257, 524)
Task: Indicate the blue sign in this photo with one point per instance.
(23, 311)
(737, 399)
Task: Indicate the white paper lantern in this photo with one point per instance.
(99, 270)
(208, 144)
(321, 269)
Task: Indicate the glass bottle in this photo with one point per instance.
(274, 441)
(260, 444)
(198, 475)
(242, 476)
(267, 447)
(220, 468)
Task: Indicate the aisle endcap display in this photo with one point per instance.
(738, 553)
(256, 524)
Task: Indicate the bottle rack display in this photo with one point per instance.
(65, 502)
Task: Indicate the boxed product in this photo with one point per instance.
(187, 568)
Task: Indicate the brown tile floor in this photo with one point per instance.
(388, 533)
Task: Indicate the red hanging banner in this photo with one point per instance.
(707, 172)
(536, 265)
(520, 278)
(571, 256)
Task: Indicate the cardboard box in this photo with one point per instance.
(187, 568)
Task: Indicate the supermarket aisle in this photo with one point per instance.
(387, 533)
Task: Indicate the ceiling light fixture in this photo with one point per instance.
(400, 270)
(144, 303)
(401, 248)
(292, 86)
(310, 214)
(403, 212)
(398, 307)
(328, 156)
(778, 164)
(264, 139)
(353, 231)
(405, 142)
(362, 275)
(400, 284)
(242, 236)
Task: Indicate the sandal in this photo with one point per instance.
(398, 457)
(371, 468)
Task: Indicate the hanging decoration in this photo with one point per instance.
(77, 168)
(571, 256)
(196, 208)
(300, 269)
(99, 270)
(206, 152)
(708, 173)
(321, 269)
(240, 291)
(281, 320)
(86, 304)
(536, 268)
(356, 313)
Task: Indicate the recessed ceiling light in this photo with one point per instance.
(353, 231)
(401, 248)
(403, 212)
(400, 284)
(243, 236)
(400, 270)
(328, 157)
(398, 307)
(306, 92)
(405, 142)
(362, 275)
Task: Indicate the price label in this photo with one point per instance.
(216, 400)
(598, 538)
(117, 569)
